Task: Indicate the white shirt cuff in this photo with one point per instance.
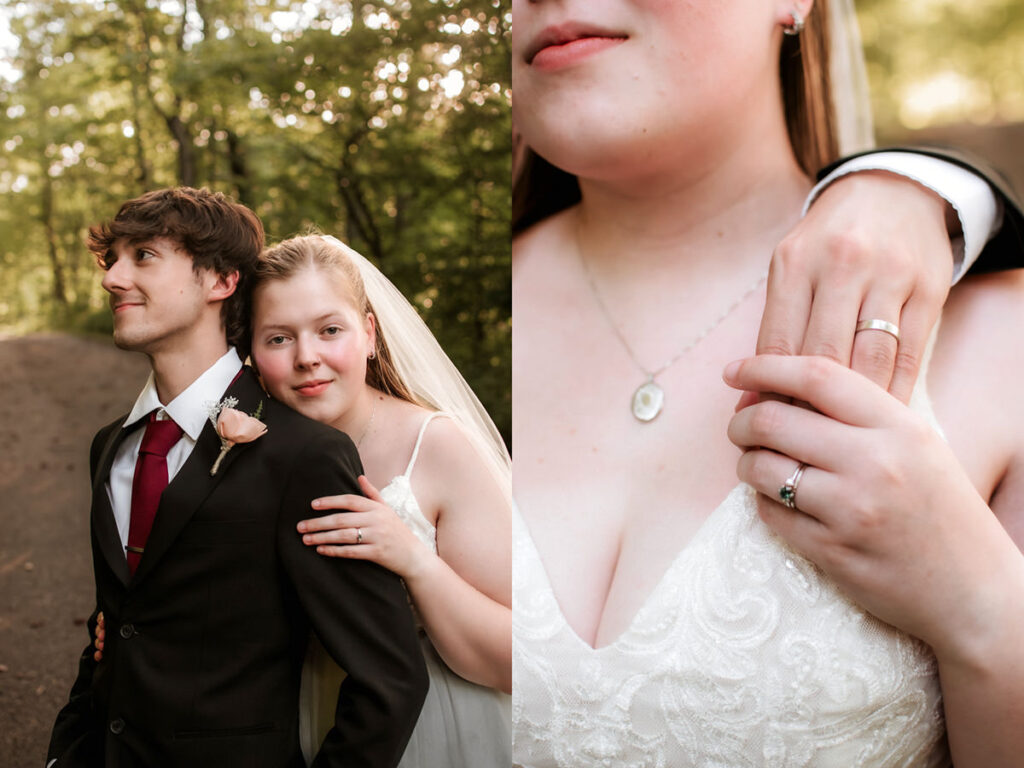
(976, 206)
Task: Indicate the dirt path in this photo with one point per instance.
(55, 392)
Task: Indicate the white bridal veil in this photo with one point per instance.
(426, 370)
(850, 96)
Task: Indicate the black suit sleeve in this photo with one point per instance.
(361, 614)
(75, 740)
(1005, 249)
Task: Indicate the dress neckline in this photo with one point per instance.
(659, 586)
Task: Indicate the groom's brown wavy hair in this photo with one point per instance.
(540, 189)
(218, 233)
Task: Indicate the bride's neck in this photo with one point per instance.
(697, 214)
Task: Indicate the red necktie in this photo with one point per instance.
(149, 482)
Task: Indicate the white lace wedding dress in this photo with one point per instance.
(745, 655)
(461, 725)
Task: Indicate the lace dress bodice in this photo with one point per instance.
(744, 655)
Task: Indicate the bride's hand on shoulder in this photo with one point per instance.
(366, 529)
(883, 505)
(855, 257)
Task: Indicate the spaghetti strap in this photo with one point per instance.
(419, 439)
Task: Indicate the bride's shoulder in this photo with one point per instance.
(444, 438)
(447, 453)
(545, 266)
(984, 320)
(400, 418)
(547, 236)
(979, 354)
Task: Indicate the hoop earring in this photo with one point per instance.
(797, 25)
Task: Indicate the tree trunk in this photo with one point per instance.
(60, 295)
(186, 151)
(359, 214)
(145, 176)
(239, 170)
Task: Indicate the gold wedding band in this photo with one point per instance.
(879, 325)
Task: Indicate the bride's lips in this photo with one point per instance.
(560, 46)
(312, 388)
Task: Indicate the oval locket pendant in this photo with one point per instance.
(647, 401)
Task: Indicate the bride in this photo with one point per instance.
(658, 621)
(334, 339)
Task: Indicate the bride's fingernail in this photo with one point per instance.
(733, 368)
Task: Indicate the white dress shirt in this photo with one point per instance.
(190, 411)
(970, 195)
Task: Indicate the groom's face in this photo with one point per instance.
(156, 295)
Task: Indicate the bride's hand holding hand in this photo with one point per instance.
(367, 529)
(854, 257)
(883, 506)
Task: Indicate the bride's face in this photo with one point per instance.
(606, 85)
(310, 344)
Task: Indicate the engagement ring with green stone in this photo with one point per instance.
(787, 493)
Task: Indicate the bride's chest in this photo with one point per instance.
(611, 500)
(743, 655)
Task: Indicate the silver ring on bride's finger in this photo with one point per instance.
(787, 492)
(879, 325)
(359, 536)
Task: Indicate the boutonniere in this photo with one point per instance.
(234, 427)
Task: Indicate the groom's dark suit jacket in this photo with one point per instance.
(1006, 248)
(205, 642)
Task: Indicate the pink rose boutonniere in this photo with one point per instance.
(234, 427)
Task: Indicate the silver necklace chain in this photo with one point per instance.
(649, 398)
(366, 429)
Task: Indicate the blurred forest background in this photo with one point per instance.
(949, 72)
(384, 123)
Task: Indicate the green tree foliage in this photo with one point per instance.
(944, 61)
(385, 123)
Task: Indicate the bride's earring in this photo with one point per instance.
(796, 26)
(372, 355)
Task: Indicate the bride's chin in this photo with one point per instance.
(607, 162)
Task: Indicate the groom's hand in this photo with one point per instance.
(876, 246)
(101, 633)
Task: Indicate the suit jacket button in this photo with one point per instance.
(117, 726)
(127, 630)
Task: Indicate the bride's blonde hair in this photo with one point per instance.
(289, 257)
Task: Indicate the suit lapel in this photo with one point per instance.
(104, 525)
(194, 483)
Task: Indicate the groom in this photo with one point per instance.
(207, 590)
